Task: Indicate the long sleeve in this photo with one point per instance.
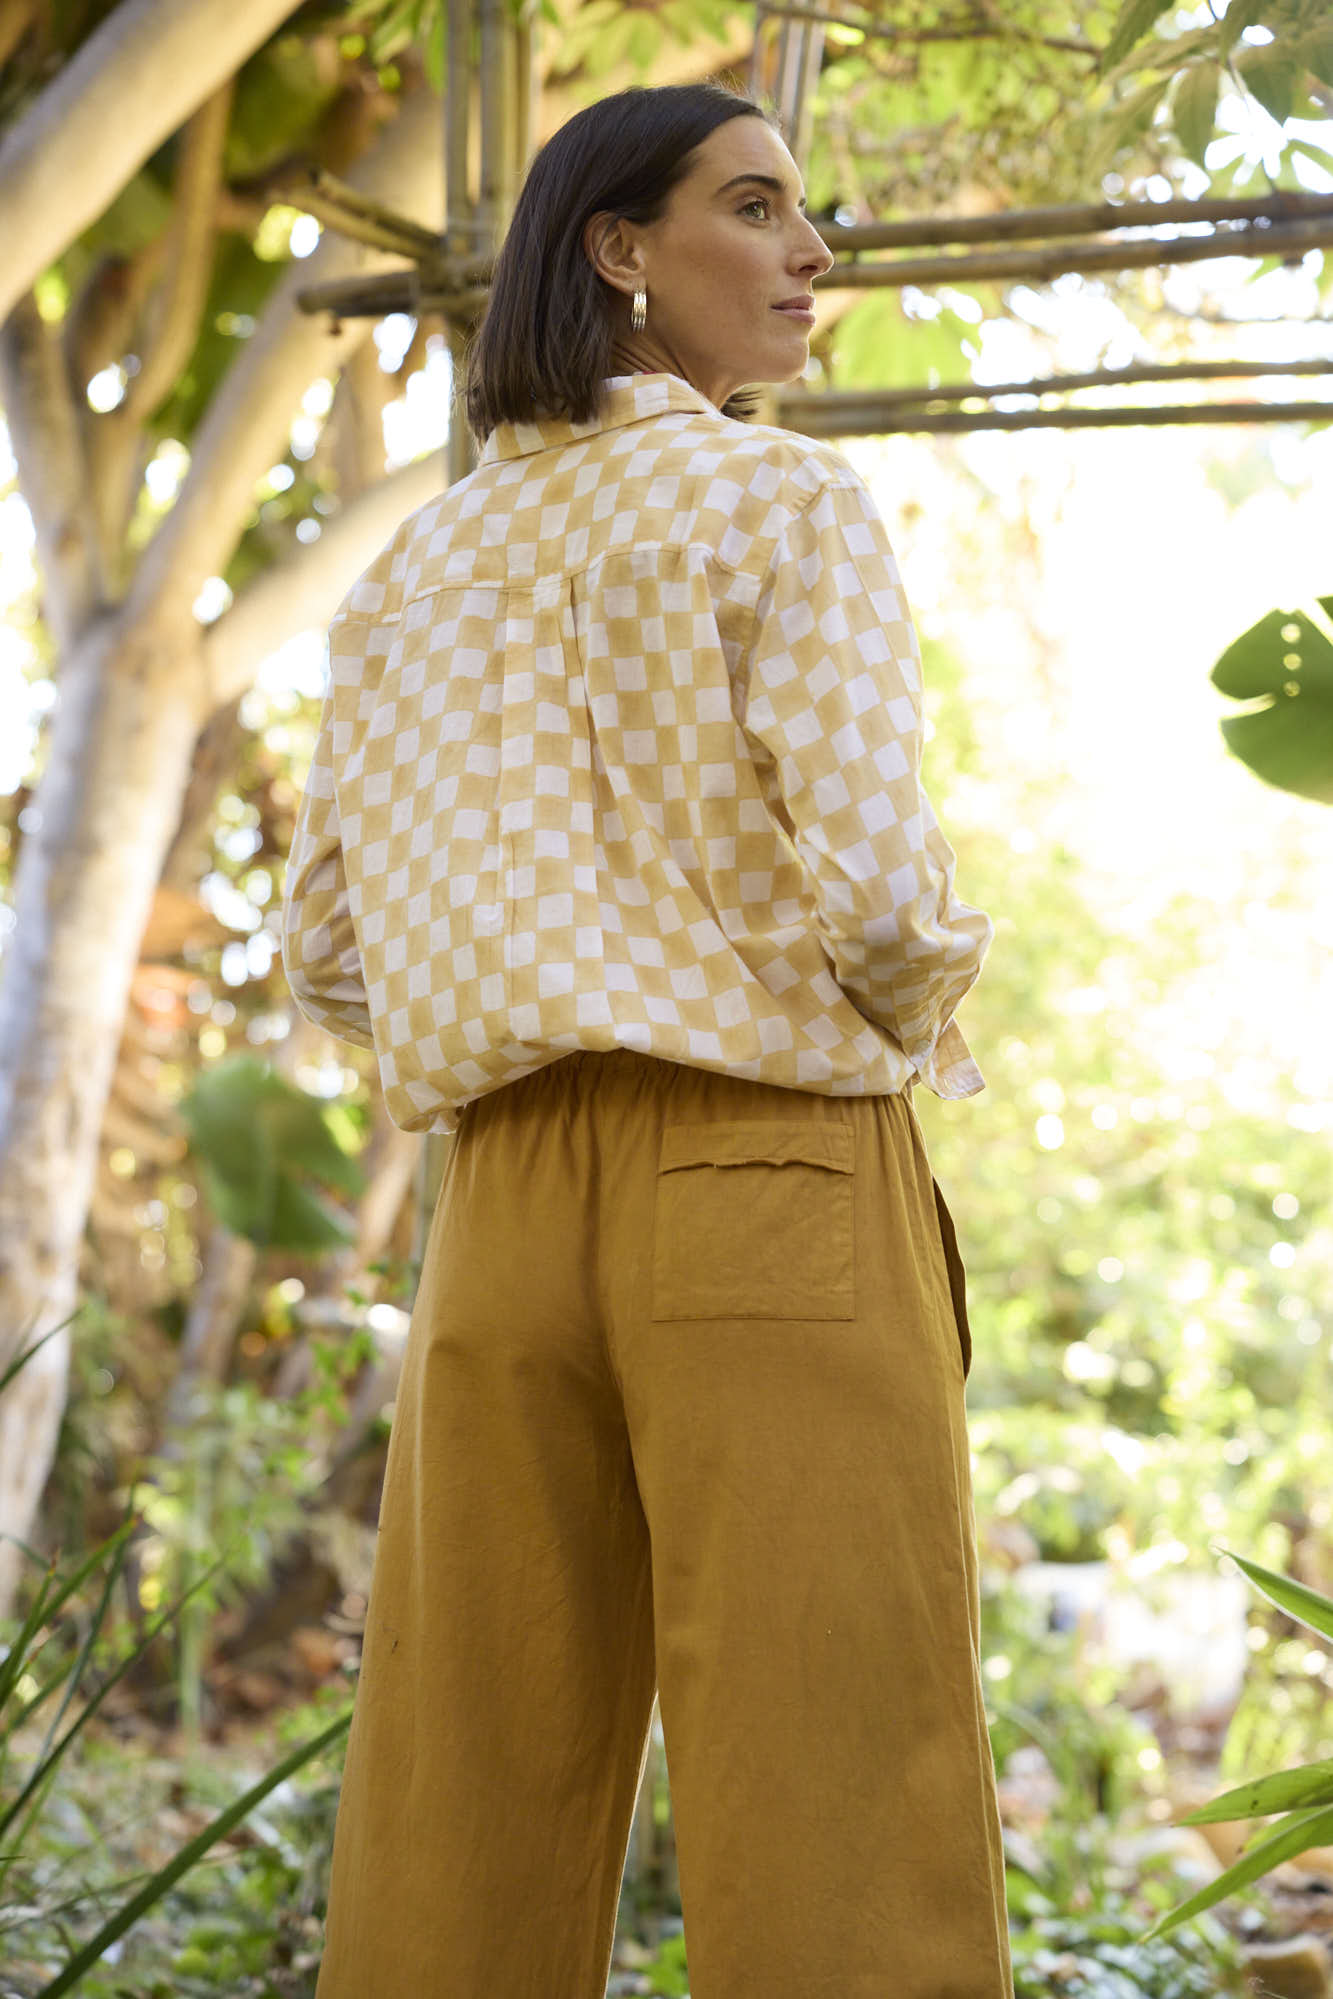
(834, 699)
(319, 947)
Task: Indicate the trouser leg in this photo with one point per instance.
(807, 1490)
(507, 1673)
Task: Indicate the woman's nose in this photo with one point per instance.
(817, 251)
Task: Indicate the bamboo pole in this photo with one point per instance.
(1070, 219)
(458, 91)
(867, 419)
(979, 28)
(1139, 371)
(454, 282)
(1289, 240)
(354, 214)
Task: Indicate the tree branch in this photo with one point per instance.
(177, 308)
(355, 429)
(116, 445)
(302, 593)
(249, 418)
(98, 324)
(138, 76)
(44, 433)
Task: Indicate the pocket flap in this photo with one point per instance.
(762, 1141)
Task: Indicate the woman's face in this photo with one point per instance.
(730, 249)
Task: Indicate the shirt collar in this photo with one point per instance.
(624, 399)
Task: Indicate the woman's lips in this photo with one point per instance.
(801, 312)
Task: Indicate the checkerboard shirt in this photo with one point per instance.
(621, 748)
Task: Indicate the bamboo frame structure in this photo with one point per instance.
(491, 69)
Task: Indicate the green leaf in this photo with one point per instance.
(1240, 15)
(1285, 749)
(1132, 24)
(877, 345)
(301, 1222)
(280, 95)
(1315, 50)
(1306, 1605)
(643, 43)
(1271, 75)
(432, 52)
(1288, 741)
(394, 32)
(1260, 1796)
(1292, 1836)
(1263, 658)
(1316, 153)
(298, 1130)
(257, 1138)
(134, 217)
(1121, 126)
(1194, 108)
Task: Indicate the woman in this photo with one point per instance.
(614, 850)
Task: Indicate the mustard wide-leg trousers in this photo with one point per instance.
(681, 1407)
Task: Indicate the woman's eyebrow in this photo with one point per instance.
(759, 180)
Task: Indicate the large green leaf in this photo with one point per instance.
(1132, 24)
(258, 1141)
(1271, 73)
(133, 218)
(1306, 1795)
(1128, 122)
(1286, 1791)
(1291, 1836)
(1322, 159)
(304, 1139)
(280, 94)
(299, 1220)
(1194, 108)
(1285, 662)
(1315, 50)
(1240, 15)
(877, 345)
(1298, 1600)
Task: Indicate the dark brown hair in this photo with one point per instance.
(544, 343)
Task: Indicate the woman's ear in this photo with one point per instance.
(610, 252)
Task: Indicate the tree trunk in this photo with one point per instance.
(135, 687)
(122, 738)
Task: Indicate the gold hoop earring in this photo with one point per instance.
(638, 317)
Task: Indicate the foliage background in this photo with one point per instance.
(1143, 1193)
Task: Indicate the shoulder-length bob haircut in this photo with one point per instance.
(544, 344)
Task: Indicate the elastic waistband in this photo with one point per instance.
(584, 1075)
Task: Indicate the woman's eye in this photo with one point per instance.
(760, 201)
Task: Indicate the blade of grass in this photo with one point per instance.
(13, 1662)
(22, 1359)
(44, 1608)
(58, 1749)
(181, 1863)
(120, 1550)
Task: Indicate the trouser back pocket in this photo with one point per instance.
(753, 1219)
